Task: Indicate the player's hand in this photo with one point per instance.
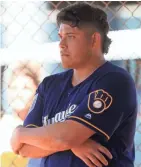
(91, 153)
(15, 142)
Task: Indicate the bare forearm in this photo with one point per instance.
(45, 138)
(34, 152)
(59, 136)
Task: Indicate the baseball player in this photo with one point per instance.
(93, 101)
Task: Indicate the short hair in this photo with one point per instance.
(81, 14)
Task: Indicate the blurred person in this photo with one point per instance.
(85, 116)
(138, 74)
(23, 80)
(137, 78)
(22, 85)
(128, 66)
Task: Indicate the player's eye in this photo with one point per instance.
(71, 36)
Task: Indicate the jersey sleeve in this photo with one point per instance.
(109, 103)
(34, 117)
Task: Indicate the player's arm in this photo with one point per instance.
(112, 99)
(58, 136)
(34, 120)
(90, 152)
(34, 117)
(31, 151)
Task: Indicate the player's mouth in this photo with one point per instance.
(64, 54)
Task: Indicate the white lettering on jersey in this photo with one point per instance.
(59, 117)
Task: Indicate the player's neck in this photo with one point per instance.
(79, 75)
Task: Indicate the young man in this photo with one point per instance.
(93, 102)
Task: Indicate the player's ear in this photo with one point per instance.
(96, 38)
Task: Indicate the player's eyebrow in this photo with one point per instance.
(68, 33)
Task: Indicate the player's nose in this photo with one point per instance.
(63, 44)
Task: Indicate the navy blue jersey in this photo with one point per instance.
(104, 102)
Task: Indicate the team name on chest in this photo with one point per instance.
(60, 116)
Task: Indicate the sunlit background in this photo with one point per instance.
(29, 52)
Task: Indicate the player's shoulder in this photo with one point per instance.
(118, 83)
(116, 74)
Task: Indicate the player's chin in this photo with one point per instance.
(66, 65)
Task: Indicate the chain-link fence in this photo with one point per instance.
(29, 52)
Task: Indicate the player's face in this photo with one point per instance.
(75, 47)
